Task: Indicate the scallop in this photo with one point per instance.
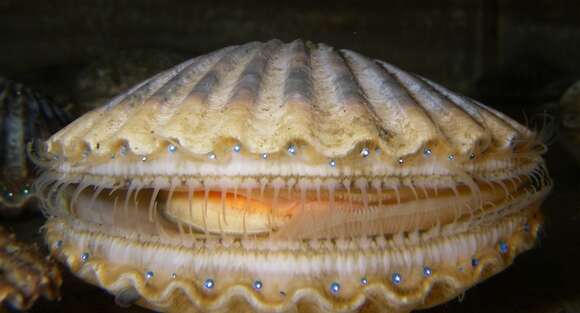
(26, 116)
(275, 177)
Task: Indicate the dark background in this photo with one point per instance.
(517, 56)
(504, 51)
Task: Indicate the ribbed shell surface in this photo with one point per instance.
(265, 95)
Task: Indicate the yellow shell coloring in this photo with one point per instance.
(273, 177)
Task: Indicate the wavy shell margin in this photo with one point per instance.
(266, 95)
(183, 295)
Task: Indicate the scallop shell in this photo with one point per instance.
(26, 275)
(570, 119)
(268, 95)
(570, 107)
(26, 116)
(426, 192)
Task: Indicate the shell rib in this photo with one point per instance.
(295, 177)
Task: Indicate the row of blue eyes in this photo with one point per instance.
(334, 287)
(292, 150)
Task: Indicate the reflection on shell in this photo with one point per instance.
(26, 116)
(26, 274)
(291, 177)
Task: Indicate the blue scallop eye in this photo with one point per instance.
(503, 247)
(396, 278)
(25, 191)
(8, 195)
(335, 287)
(365, 152)
(208, 283)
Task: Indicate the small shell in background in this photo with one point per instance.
(25, 116)
(26, 274)
(570, 107)
(570, 119)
